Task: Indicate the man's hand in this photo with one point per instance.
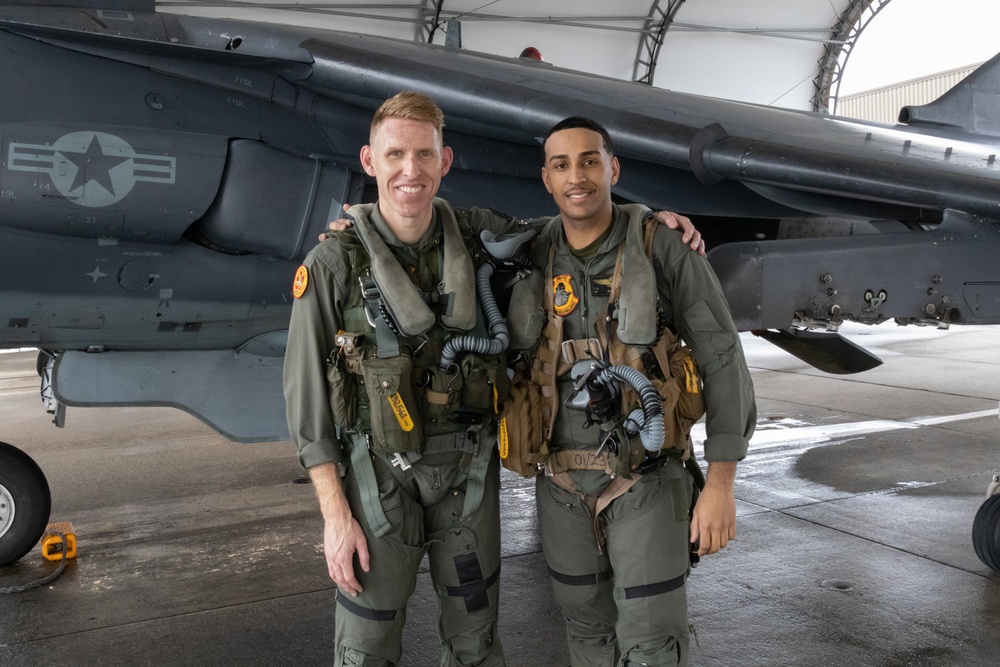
(341, 224)
(340, 542)
(690, 236)
(713, 523)
(342, 534)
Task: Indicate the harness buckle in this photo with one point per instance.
(399, 461)
(369, 289)
(470, 440)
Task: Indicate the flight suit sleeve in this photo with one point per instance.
(315, 322)
(496, 222)
(702, 318)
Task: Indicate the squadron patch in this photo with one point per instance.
(301, 282)
(564, 298)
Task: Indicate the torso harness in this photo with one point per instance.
(635, 379)
(400, 382)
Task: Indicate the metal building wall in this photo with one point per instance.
(883, 104)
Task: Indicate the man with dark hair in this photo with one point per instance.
(582, 122)
(614, 510)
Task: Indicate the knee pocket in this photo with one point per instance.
(464, 572)
(477, 645)
(354, 657)
(451, 534)
(665, 656)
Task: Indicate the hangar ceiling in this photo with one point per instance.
(787, 53)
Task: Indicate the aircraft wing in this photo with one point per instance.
(797, 162)
(807, 162)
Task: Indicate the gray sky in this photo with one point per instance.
(912, 38)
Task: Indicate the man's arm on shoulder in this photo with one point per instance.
(689, 235)
(338, 225)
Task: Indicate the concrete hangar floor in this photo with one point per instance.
(853, 548)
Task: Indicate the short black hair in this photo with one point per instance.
(586, 123)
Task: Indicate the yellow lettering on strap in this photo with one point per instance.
(504, 439)
(690, 376)
(402, 414)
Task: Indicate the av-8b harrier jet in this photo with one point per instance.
(163, 175)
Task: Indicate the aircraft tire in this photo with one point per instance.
(986, 532)
(25, 503)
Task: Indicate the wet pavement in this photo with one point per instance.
(855, 512)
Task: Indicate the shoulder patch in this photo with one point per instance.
(301, 282)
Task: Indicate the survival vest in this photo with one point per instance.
(384, 376)
(634, 338)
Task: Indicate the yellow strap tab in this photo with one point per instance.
(504, 439)
(402, 414)
(690, 376)
(496, 398)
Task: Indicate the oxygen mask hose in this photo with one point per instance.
(499, 336)
(647, 420)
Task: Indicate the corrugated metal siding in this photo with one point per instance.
(883, 104)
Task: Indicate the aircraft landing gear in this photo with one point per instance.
(986, 527)
(25, 502)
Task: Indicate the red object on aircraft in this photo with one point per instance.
(532, 53)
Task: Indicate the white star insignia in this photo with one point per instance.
(96, 273)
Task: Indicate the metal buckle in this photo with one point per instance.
(400, 461)
(369, 289)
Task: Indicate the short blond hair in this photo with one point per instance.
(409, 105)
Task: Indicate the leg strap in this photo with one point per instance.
(365, 612)
(475, 485)
(364, 472)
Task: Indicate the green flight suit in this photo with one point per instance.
(403, 515)
(627, 604)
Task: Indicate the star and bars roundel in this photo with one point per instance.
(92, 169)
